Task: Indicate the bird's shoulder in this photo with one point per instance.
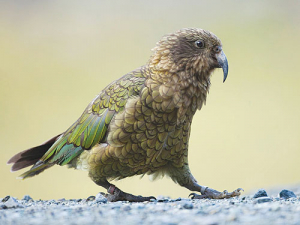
(116, 94)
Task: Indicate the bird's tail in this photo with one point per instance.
(30, 157)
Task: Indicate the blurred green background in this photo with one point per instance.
(56, 56)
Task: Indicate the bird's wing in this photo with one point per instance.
(91, 127)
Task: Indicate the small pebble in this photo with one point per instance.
(100, 198)
(125, 208)
(90, 198)
(162, 198)
(263, 200)
(11, 202)
(260, 193)
(5, 198)
(188, 205)
(286, 194)
(2, 206)
(27, 198)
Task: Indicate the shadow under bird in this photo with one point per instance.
(140, 124)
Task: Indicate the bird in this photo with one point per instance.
(140, 124)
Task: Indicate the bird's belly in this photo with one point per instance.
(141, 154)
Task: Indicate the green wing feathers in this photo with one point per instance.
(91, 128)
(85, 133)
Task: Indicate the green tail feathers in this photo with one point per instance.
(35, 170)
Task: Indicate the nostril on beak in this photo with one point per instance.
(218, 49)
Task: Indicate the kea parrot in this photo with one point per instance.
(141, 123)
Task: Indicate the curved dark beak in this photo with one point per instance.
(223, 63)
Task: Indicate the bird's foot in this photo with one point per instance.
(213, 194)
(115, 194)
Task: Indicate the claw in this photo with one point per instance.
(193, 195)
(196, 196)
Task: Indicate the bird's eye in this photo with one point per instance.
(199, 44)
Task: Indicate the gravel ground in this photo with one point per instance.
(255, 209)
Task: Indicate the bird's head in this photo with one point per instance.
(192, 50)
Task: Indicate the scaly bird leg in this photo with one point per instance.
(184, 177)
(115, 194)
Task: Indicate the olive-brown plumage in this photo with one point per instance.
(140, 124)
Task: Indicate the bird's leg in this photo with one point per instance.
(115, 194)
(184, 177)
